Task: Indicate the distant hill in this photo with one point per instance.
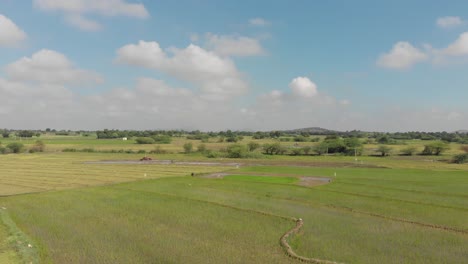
(461, 131)
(311, 130)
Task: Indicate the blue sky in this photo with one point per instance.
(215, 65)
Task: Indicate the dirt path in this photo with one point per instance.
(289, 251)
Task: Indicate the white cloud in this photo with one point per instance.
(51, 67)
(217, 77)
(83, 23)
(10, 33)
(226, 45)
(259, 22)
(75, 10)
(449, 21)
(459, 47)
(402, 56)
(303, 87)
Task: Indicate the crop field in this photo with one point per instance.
(72, 208)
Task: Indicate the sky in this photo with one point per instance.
(240, 65)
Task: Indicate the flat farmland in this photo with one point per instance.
(44, 172)
(364, 215)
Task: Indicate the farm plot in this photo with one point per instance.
(44, 172)
(239, 220)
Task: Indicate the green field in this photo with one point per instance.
(374, 210)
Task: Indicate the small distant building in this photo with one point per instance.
(124, 138)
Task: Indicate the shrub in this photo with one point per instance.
(306, 149)
(188, 147)
(273, 149)
(69, 150)
(90, 150)
(141, 151)
(39, 146)
(435, 148)
(384, 150)
(461, 158)
(464, 148)
(408, 151)
(252, 146)
(144, 140)
(201, 148)
(158, 150)
(296, 151)
(161, 139)
(3, 150)
(236, 151)
(15, 147)
(213, 154)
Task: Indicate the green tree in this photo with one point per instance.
(435, 148)
(384, 150)
(5, 134)
(188, 147)
(144, 140)
(252, 146)
(15, 147)
(306, 149)
(237, 151)
(408, 151)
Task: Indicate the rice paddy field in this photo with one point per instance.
(71, 208)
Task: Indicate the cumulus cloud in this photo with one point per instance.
(449, 21)
(226, 45)
(303, 87)
(51, 67)
(402, 56)
(83, 23)
(75, 10)
(217, 77)
(10, 33)
(459, 47)
(258, 22)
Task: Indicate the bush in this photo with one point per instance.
(252, 146)
(144, 140)
(90, 150)
(161, 139)
(158, 150)
(409, 151)
(15, 147)
(306, 149)
(3, 150)
(273, 149)
(296, 151)
(435, 148)
(384, 150)
(213, 154)
(464, 148)
(39, 146)
(201, 148)
(188, 147)
(141, 151)
(461, 158)
(236, 151)
(69, 150)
